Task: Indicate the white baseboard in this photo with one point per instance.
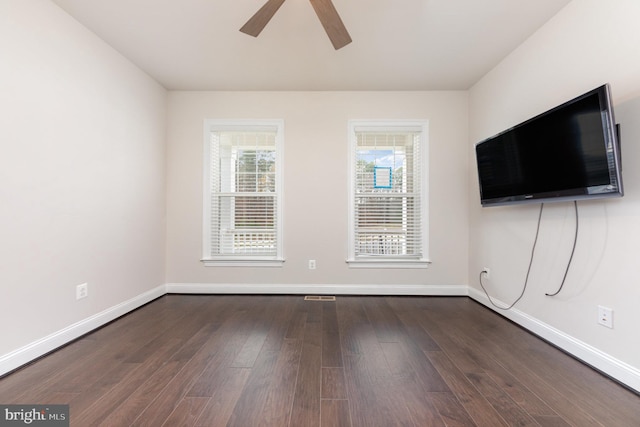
(30, 352)
(315, 289)
(616, 369)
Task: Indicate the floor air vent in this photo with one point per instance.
(319, 298)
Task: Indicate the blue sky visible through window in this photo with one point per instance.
(382, 158)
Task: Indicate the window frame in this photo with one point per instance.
(397, 261)
(243, 260)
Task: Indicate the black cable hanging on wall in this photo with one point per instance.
(526, 280)
(575, 240)
(535, 241)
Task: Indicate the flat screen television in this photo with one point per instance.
(570, 152)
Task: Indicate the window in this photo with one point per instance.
(388, 194)
(243, 193)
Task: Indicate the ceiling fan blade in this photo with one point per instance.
(332, 23)
(256, 24)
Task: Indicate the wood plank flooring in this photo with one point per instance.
(207, 360)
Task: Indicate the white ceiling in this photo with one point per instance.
(397, 44)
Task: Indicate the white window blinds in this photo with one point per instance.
(388, 194)
(243, 197)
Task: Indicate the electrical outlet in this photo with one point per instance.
(82, 291)
(312, 264)
(605, 316)
(487, 272)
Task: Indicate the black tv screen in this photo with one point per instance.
(570, 152)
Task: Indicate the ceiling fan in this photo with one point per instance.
(325, 10)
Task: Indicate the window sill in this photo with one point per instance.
(388, 263)
(242, 262)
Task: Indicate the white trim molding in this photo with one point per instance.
(222, 227)
(318, 289)
(42, 346)
(415, 225)
(616, 369)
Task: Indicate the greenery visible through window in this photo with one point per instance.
(388, 194)
(242, 199)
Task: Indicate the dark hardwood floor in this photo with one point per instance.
(196, 360)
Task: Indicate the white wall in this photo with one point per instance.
(82, 179)
(81, 174)
(588, 43)
(315, 182)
